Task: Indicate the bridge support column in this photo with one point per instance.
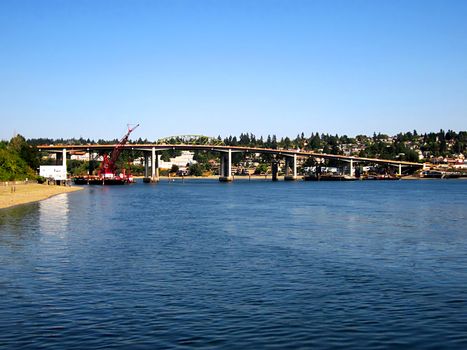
(226, 167)
(59, 158)
(157, 165)
(274, 169)
(295, 166)
(89, 162)
(64, 158)
(146, 178)
(146, 165)
(154, 166)
(400, 169)
(352, 170)
(291, 162)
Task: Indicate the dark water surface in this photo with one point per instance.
(257, 264)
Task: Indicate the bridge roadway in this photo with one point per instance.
(226, 156)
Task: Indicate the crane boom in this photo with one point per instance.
(118, 148)
(108, 165)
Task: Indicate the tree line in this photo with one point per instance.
(19, 158)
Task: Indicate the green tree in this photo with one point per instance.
(261, 169)
(12, 166)
(196, 169)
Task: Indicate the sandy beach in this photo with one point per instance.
(11, 195)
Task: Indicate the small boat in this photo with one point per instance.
(432, 174)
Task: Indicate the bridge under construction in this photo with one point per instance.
(151, 157)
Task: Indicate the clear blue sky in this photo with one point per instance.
(87, 68)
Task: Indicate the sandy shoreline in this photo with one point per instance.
(13, 195)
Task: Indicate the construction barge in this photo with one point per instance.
(100, 180)
(107, 173)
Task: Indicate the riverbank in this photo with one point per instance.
(17, 194)
(215, 177)
(259, 177)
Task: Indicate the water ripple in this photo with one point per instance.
(253, 265)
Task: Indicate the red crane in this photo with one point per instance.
(108, 165)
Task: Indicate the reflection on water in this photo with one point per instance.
(53, 216)
(13, 222)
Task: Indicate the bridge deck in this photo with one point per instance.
(216, 148)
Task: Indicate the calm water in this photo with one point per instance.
(252, 265)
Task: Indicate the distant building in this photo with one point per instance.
(76, 155)
(186, 158)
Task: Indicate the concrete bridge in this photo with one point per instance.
(151, 151)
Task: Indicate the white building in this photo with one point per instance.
(181, 161)
(85, 156)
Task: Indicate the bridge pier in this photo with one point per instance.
(157, 166)
(398, 167)
(61, 157)
(89, 162)
(274, 169)
(291, 162)
(352, 169)
(154, 166)
(226, 167)
(146, 178)
(64, 158)
(146, 165)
